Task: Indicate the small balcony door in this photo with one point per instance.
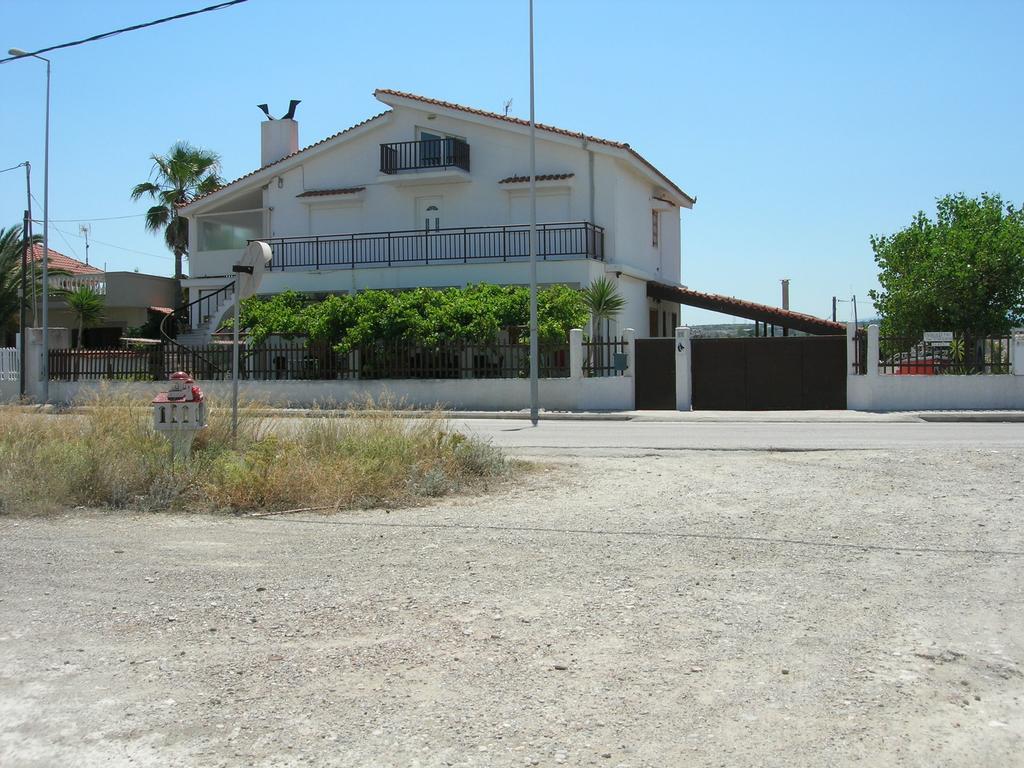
(435, 150)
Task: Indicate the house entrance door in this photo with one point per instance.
(428, 218)
(428, 212)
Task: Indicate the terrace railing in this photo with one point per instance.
(426, 153)
(577, 239)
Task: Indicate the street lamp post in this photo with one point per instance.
(45, 368)
(534, 351)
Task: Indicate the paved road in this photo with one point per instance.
(631, 438)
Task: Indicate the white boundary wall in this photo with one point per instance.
(613, 393)
(574, 393)
(875, 391)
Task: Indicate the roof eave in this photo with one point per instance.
(261, 175)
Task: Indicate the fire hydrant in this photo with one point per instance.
(180, 413)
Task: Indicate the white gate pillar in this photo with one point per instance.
(575, 353)
(1017, 352)
(871, 364)
(629, 335)
(684, 374)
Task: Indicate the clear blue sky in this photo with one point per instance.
(801, 127)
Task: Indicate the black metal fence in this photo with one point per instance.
(962, 355)
(426, 153)
(299, 361)
(153, 362)
(605, 357)
(579, 239)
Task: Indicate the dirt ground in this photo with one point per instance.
(697, 609)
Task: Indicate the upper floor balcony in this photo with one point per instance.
(564, 240)
(425, 154)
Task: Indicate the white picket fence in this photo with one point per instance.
(9, 367)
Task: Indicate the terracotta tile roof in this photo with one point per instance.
(540, 177)
(288, 157)
(64, 263)
(751, 310)
(540, 126)
(325, 192)
(460, 108)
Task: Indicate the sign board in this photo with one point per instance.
(939, 338)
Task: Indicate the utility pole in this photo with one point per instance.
(833, 309)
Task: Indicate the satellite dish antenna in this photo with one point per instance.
(249, 273)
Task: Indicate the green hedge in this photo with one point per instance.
(474, 314)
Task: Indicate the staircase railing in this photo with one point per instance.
(203, 309)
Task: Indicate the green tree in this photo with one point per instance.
(87, 306)
(604, 302)
(12, 245)
(180, 176)
(962, 272)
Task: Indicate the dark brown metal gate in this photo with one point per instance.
(765, 374)
(654, 380)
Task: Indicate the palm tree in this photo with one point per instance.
(603, 302)
(180, 176)
(12, 246)
(87, 306)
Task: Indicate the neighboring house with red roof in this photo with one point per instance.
(435, 194)
(130, 298)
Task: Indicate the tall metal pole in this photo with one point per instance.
(534, 355)
(22, 316)
(46, 244)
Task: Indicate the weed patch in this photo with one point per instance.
(109, 455)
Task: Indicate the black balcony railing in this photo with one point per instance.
(427, 153)
(577, 239)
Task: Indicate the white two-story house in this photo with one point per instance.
(434, 194)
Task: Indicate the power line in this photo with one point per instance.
(70, 247)
(16, 167)
(104, 218)
(94, 241)
(133, 28)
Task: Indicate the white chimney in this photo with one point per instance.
(278, 139)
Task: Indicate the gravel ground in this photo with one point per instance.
(698, 608)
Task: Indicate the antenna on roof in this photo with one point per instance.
(84, 230)
(508, 106)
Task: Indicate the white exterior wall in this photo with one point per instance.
(621, 204)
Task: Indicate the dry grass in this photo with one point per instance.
(109, 455)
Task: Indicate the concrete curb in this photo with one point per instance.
(668, 417)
